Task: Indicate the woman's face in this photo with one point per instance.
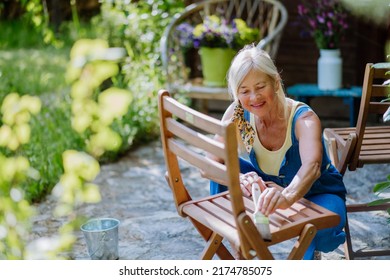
(257, 93)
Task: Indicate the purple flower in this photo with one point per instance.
(329, 25)
(302, 9)
(320, 19)
(325, 20)
(313, 23)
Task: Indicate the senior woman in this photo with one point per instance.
(281, 143)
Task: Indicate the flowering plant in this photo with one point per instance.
(215, 32)
(324, 20)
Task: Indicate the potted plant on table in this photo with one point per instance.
(218, 40)
(326, 22)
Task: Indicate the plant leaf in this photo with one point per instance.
(380, 187)
(379, 202)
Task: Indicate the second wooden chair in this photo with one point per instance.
(367, 143)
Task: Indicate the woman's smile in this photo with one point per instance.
(258, 105)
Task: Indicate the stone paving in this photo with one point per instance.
(135, 192)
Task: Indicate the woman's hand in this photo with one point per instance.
(271, 199)
(246, 181)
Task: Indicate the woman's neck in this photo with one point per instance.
(276, 118)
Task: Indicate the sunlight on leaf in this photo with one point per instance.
(91, 193)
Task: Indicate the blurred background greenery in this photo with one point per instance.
(35, 45)
(90, 108)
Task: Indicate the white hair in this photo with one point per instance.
(253, 58)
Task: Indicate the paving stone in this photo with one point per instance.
(135, 192)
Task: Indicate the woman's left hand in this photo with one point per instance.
(246, 181)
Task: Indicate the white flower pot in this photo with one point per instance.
(329, 70)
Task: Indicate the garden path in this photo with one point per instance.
(134, 191)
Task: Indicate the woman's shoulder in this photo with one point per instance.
(296, 104)
(303, 112)
(299, 108)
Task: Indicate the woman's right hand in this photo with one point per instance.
(246, 181)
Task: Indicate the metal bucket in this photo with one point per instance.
(102, 238)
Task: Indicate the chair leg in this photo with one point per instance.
(348, 250)
(212, 246)
(332, 149)
(254, 238)
(303, 242)
(214, 243)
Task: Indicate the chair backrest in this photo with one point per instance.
(375, 101)
(187, 137)
(269, 16)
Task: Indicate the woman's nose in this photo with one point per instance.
(254, 94)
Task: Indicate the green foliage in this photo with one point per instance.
(51, 134)
(42, 73)
(39, 17)
(381, 188)
(15, 211)
(18, 34)
(32, 71)
(88, 69)
(138, 27)
(92, 62)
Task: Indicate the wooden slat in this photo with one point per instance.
(378, 107)
(344, 133)
(375, 141)
(196, 139)
(376, 147)
(207, 123)
(211, 222)
(215, 168)
(375, 152)
(375, 159)
(377, 135)
(218, 212)
(363, 207)
(380, 91)
(224, 203)
(380, 70)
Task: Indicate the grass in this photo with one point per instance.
(33, 71)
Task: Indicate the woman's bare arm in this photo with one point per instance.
(308, 131)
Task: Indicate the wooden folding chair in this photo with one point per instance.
(187, 139)
(353, 147)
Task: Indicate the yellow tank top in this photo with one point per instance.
(270, 161)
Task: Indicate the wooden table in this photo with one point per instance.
(351, 96)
